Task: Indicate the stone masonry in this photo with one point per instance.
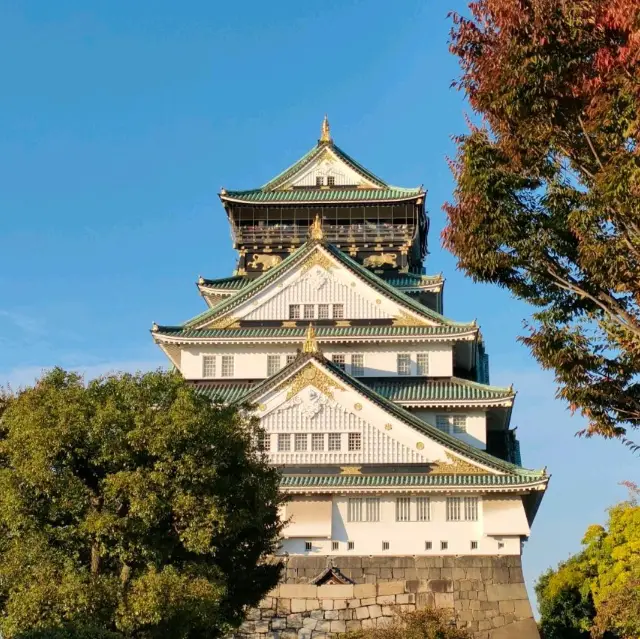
(487, 595)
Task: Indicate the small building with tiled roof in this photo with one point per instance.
(376, 406)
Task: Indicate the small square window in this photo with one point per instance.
(339, 361)
(355, 441)
(500, 545)
(338, 311)
(331, 180)
(350, 545)
(319, 180)
(208, 366)
(442, 423)
(273, 364)
(308, 546)
(357, 365)
(323, 311)
(385, 545)
(309, 311)
(294, 311)
(459, 424)
(317, 441)
(335, 441)
(284, 442)
(444, 545)
(264, 441)
(474, 545)
(290, 358)
(227, 366)
(335, 545)
(300, 441)
(422, 361)
(404, 364)
(428, 545)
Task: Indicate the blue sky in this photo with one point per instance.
(119, 123)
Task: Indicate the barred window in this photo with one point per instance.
(474, 545)
(444, 545)
(428, 545)
(334, 441)
(403, 509)
(357, 365)
(300, 441)
(323, 311)
(284, 442)
(453, 508)
(423, 508)
(264, 441)
(455, 424)
(294, 311)
(351, 545)
(422, 360)
(471, 508)
(290, 358)
(338, 311)
(339, 361)
(208, 366)
(372, 508)
(227, 366)
(335, 545)
(385, 545)
(309, 311)
(319, 180)
(459, 424)
(317, 441)
(308, 545)
(404, 364)
(273, 364)
(354, 510)
(331, 180)
(355, 441)
(442, 423)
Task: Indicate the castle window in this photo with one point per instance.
(300, 441)
(227, 366)
(385, 545)
(357, 365)
(334, 441)
(456, 424)
(290, 358)
(208, 366)
(309, 311)
(323, 311)
(442, 423)
(339, 361)
(355, 441)
(350, 545)
(335, 545)
(308, 546)
(444, 545)
(319, 180)
(273, 364)
(338, 311)
(474, 545)
(372, 508)
(471, 509)
(404, 364)
(428, 545)
(354, 509)
(423, 509)
(453, 508)
(331, 181)
(459, 424)
(317, 441)
(403, 508)
(422, 360)
(284, 442)
(264, 441)
(500, 545)
(294, 311)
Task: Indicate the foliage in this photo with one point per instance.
(130, 507)
(597, 591)
(547, 197)
(427, 623)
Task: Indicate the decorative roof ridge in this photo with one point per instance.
(211, 282)
(450, 380)
(448, 441)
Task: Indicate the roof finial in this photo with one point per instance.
(310, 344)
(325, 134)
(315, 230)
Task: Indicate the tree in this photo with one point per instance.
(427, 623)
(597, 591)
(547, 191)
(130, 507)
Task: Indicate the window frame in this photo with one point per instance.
(354, 437)
(284, 437)
(403, 509)
(308, 307)
(324, 311)
(357, 370)
(405, 358)
(270, 361)
(294, 312)
(315, 438)
(342, 365)
(354, 510)
(422, 368)
(340, 314)
(423, 509)
(208, 359)
(332, 438)
(298, 437)
(227, 366)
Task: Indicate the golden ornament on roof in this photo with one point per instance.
(315, 230)
(325, 132)
(310, 343)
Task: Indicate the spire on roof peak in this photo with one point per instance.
(310, 344)
(315, 230)
(325, 132)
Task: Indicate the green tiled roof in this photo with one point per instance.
(226, 305)
(297, 333)
(323, 195)
(412, 280)
(453, 389)
(400, 390)
(231, 283)
(383, 481)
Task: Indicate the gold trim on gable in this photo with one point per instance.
(311, 376)
(351, 470)
(317, 259)
(456, 466)
(404, 319)
(225, 322)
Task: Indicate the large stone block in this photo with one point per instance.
(361, 591)
(338, 591)
(298, 591)
(391, 588)
(506, 592)
(525, 629)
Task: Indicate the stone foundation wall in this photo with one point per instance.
(487, 595)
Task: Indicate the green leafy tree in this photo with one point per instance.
(597, 591)
(130, 507)
(547, 200)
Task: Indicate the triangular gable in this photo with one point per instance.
(325, 263)
(313, 387)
